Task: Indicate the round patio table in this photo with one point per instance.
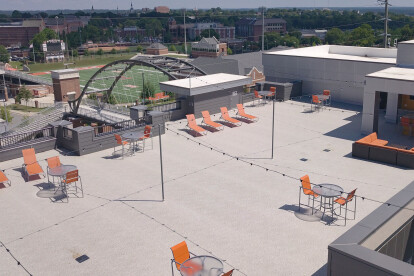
(61, 170)
(202, 266)
(328, 192)
(133, 136)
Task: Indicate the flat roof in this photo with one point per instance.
(220, 205)
(364, 54)
(407, 42)
(204, 84)
(394, 73)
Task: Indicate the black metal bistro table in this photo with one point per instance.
(202, 266)
(61, 170)
(328, 192)
(133, 137)
(266, 94)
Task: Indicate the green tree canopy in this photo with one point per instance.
(24, 94)
(172, 48)
(335, 36)
(4, 54)
(210, 33)
(362, 36)
(229, 51)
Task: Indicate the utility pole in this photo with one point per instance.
(185, 36)
(386, 4)
(263, 27)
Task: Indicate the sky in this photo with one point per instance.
(189, 4)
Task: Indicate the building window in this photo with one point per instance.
(411, 98)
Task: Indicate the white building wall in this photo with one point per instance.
(345, 78)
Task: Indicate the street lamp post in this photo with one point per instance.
(57, 26)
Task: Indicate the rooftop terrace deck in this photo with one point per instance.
(221, 206)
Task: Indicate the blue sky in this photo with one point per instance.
(189, 4)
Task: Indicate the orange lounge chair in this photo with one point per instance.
(328, 100)
(31, 166)
(147, 135)
(180, 255)
(229, 273)
(4, 180)
(207, 121)
(226, 117)
(307, 190)
(243, 114)
(344, 202)
(192, 124)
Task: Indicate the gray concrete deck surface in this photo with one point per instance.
(221, 206)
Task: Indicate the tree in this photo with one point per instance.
(86, 52)
(335, 36)
(149, 89)
(3, 112)
(41, 37)
(100, 52)
(229, 51)
(24, 94)
(140, 49)
(210, 33)
(4, 54)
(16, 14)
(75, 53)
(172, 48)
(113, 51)
(362, 36)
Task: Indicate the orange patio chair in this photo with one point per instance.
(180, 255)
(307, 190)
(31, 166)
(164, 97)
(344, 202)
(328, 100)
(243, 114)
(147, 135)
(71, 177)
(207, 121)
(192, 124)
(406, 125)
(226, 117)
(52, 162)
(229, 273)
(257, 96)
(121, 142)
(4, 180)
(316, 102)
(272, 92)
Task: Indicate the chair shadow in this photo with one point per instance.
(45, 185)
(244, 120)
(211, 129)
(191, 132)
(138, 200)
(305, 214)
(227, 124)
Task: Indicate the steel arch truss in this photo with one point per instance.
(172, 67)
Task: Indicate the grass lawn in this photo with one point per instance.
(83, 61)
(20, 107)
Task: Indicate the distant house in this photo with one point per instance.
(321, 34)
(208, 47)
(156, 49)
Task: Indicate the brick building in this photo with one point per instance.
(20, 33)
(156, 49)
(68, 24)
(162, 9)
(224, 32)
(208, 47)
(251, 28)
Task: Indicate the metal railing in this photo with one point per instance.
(10, 140)
(105, 106)
(117, 127)
(98, 115)
(167, 106)
(28, 77)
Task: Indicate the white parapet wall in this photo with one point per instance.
(341, 69)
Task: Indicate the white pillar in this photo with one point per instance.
(392, 108)
(367, 125)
